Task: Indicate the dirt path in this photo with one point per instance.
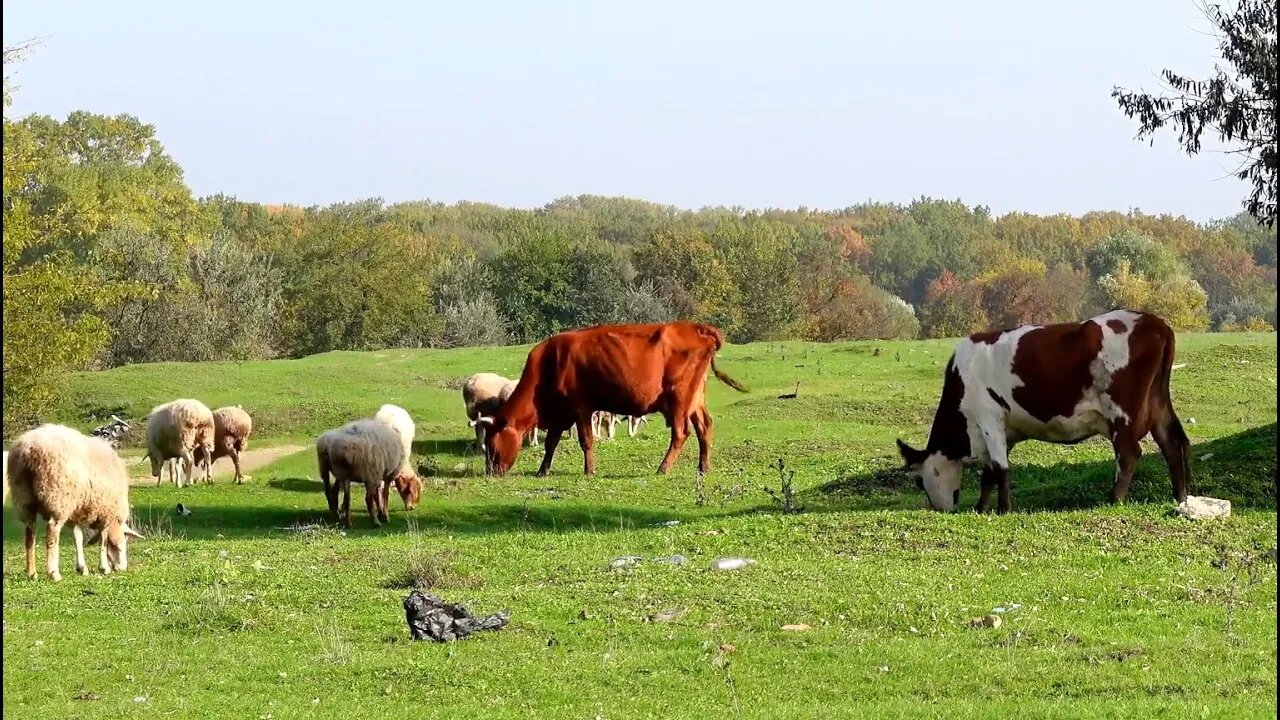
(250, 460)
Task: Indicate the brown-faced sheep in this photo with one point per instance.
(364, 451)
(232, 427)
(68, 477)
(176, 430)
(407, 482)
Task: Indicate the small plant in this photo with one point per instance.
(336, 648)
(428, 466)
(212, 611)
(427, 569)
(1243, 569)
(700, 490)
(155, 526)
(784, 496)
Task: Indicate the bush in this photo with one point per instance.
(952, 308)
(474, 322)
(859, 310)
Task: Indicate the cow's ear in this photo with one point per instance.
(911, 457)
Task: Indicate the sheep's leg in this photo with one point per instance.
(78, 535)
(52, 530)
(371, 494)
(235, 460)
(105, 560)
(29, 537)
(157, 469)
(346, 500)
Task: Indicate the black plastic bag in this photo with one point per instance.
(431, 618)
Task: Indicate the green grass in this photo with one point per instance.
(1109, 612)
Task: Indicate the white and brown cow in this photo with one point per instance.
(1058, 383)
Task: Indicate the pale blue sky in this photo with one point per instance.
(822, 104)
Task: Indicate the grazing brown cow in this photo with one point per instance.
(621, 369)
(1061, 384)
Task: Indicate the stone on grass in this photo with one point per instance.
(1196, 507)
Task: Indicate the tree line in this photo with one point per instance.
(110, 260)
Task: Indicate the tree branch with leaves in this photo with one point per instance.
(1238, 102)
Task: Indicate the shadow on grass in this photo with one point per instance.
(293, 484)
(1240, 468)
(455, 446)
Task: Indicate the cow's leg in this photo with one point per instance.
(553, 440)
(1128, 452)
(52, 530)
(78, 535)
(702, 428)
(679, 423)
(990, 479)
(996, 439)
(29, 539)
(1174, 445)
(587, 441)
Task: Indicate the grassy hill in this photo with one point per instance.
(1105, 610)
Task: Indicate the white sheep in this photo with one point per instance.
(6, 474)
(481, 395)
(176, 430)
(397, 418)
(367, 452)
(68, 477)
(232, 427)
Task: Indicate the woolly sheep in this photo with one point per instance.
(397, 418)
(71, 478)
(176, 430)
(232, 427)
(481, 396)
(368, 452)
(6, 474)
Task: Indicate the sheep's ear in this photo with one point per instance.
(472, 423)
(132, 533)
(485, 420)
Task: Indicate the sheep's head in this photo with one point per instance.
(501, 445)
(115, 541)
(409, 486)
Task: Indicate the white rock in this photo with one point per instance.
(1202, 508)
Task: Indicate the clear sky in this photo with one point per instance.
(778, 104)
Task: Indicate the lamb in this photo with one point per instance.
(231, 429)
(177, 430)
(71, 478)
(397, 418)
(368, 452)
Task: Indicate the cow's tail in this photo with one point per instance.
(724, 378)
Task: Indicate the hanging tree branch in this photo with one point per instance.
(1238, 102)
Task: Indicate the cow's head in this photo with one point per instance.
(409, 486)
(936, 474)
(501, 445)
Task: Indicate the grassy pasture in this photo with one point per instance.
(1106, 611)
